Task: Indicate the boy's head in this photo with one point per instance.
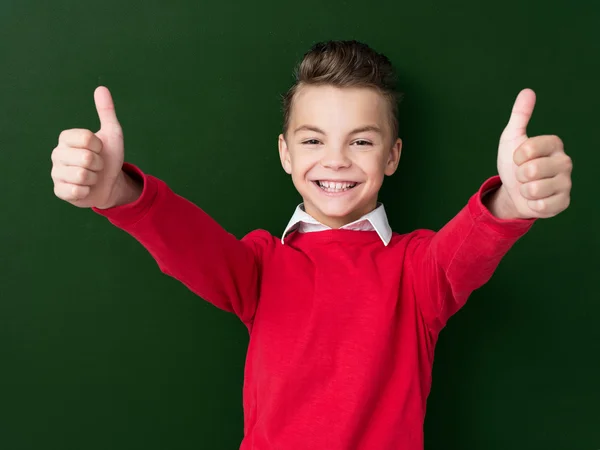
(340, 131)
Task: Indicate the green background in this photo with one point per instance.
(100, 350)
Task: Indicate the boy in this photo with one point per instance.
(343, 314)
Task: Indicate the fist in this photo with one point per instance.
(535, 171)
(86, 166)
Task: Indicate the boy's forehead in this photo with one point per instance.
(339, 107)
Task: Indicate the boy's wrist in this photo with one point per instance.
(132, 189)
(127, 190)
(499, 204)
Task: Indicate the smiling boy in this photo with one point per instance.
(339, 165)
(343, 314)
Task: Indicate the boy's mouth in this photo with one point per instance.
(335, 186)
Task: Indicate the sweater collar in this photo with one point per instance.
(376, 220)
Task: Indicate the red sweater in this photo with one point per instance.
(342, 328)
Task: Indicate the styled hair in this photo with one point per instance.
(345, 64)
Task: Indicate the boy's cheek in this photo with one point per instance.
(297, 180)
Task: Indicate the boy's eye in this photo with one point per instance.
(360, 142)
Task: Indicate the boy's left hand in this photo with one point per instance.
(535, 172)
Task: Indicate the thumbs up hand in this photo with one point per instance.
(86, 167)
(535, 172)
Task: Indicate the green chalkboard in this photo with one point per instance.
(100, 350)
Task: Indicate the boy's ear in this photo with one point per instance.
(394, 158)
(284, 155)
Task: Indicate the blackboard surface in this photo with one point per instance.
(99, 350)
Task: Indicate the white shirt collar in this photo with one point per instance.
(376, 220)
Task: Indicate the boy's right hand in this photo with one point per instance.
(86, 166)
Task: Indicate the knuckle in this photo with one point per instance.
(95, 142)
(569, 163)
(81, 175)
(534, 189)
(76, 192)
(523, 174)
(523, 190)
(85, 138)
(558, 140)
(72, 193)
(542, 206)
(58, 150)
(63, 135)
(528, 149)
(532, 170)
(58, 156)
(87, 159)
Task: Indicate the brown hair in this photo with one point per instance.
(345, 64)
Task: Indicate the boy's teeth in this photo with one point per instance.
(336, 186)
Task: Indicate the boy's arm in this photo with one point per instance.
(533, 181)
(462, 256)
(190, 246)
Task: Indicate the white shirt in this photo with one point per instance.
(376, 220)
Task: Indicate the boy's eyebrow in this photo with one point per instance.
(373, 128)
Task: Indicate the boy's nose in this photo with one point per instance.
(335, 159)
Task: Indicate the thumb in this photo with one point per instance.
(106, 109)
(520, 115)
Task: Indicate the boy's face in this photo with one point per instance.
(337, 163)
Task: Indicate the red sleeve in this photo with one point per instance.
(193, 248)
(462, 256)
